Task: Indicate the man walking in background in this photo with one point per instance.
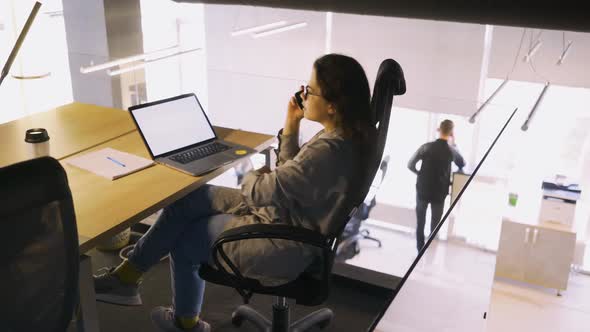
(434, 177)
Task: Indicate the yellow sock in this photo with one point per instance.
(188, 322)
(127, 273)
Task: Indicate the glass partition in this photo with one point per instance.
(119, 54)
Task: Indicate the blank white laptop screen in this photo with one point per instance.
(173, 125)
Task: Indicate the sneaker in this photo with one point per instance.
(110, 289)
(165, 320)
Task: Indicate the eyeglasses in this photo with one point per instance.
(307, 93)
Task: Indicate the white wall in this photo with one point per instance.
(441, 60)
(87, 44)
(251, 80)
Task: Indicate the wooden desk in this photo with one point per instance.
(105, 208)
(72, 128)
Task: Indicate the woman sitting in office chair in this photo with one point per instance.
(308, 188)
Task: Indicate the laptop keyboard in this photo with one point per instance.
(199, 153)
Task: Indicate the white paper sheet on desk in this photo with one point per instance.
(110, 163)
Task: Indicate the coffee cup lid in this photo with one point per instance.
(36, 135)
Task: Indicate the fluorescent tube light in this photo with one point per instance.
(532, 51)
(146, 62)
(328, 40)
(564, 53)
(56, 13)
(525, 125)
(126, 69)
(122, 61)
(258, 28)
(279, 30)
(472, 118)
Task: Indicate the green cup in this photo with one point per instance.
(512, 199)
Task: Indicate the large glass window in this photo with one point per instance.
(40, 76)
(166, 24)
(408, 130)
(553, 144)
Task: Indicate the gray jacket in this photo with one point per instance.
(306, 189)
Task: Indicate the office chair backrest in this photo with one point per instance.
(377, 180)
(39, 256)
(390, 82)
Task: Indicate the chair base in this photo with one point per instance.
(353, 240)
(366, 235)
(280, 323)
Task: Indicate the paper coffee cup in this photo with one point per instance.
(38, 142)
(37, 150)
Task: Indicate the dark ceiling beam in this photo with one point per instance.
(569, 15)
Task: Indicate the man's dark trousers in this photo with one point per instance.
(436, 210)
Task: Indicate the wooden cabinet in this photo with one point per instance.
(536, 254)
(512, 251)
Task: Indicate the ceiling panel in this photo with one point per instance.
(575, 71)
(441, 60)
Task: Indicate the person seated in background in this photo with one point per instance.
(308, 188)
(434, 177)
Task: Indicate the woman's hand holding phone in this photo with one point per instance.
(294, 115)
(295, 108)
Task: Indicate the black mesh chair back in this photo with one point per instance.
(348, 242)
(38, 247)
(390, 82)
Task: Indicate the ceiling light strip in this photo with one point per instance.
(122, 61)
(258, 28)
(279, 30)
(145, 62)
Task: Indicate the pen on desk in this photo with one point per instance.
(116, 162)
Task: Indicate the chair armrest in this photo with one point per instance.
(265, 231)
(273, 231)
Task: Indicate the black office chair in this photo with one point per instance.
(348, 245)
(312, 286)
(38, 247)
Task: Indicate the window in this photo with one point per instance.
(408, 130)
(167, 24)
(47, 37)
(553, 144)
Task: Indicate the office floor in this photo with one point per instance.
(356, 307)
(458, 285)
(453, 286)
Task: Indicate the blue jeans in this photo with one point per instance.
(185, 230)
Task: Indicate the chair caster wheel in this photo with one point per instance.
(236, 320)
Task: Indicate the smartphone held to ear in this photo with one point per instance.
(299, 99)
